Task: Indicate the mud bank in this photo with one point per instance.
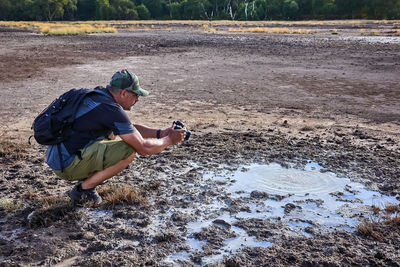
(160, 230)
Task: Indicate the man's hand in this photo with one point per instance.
(167, 131)
(150, 146)
(176, 136)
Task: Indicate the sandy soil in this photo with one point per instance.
(247, 98)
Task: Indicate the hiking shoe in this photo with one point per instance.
(79, 195)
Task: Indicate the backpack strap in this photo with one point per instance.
(60, 157)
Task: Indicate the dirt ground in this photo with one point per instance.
(247, 98)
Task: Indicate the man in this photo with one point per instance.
(92, 155)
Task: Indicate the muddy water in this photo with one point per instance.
(305, 200)
(307, 195)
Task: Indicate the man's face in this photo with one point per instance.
(128, 99)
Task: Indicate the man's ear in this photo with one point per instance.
(124, 93)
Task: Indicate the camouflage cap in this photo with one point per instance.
(126, 80)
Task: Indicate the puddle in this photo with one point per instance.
(12, 235)
(230, 245)
(311, 194)
(275, 179)
(97, 215)
(305, 200)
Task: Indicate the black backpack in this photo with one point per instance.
(54, 124)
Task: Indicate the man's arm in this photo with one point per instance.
(146, 147)
(147, 132)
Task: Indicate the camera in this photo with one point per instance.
(179, 125)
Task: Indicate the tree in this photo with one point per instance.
(70, 10)
(255, 10)
(305, 8)
(22, 10)
(155, 7)
(217, 9)
(194, 9)
(274, 9)
(175, 10)
(350, 8)
(86, 9)
(323, 7)
(393, 9)
(290, 9)
(123, 9)
(103, 9)
(5, 9)
(143, 12)
(389, 9)
(52, 9)
(197, 9)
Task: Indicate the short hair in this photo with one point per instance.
(114, 89)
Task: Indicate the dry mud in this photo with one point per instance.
(247, 98)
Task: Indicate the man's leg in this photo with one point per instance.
(99, 162)
(98, 177)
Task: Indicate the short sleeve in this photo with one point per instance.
(115, 118)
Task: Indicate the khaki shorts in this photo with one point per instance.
(96, 157)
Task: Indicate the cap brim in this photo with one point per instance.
(141, 92)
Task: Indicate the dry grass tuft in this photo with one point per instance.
(52, 201)
(76, 30)
(335, 31)
(375, 209)
(393, 222)
(397, 33)
(114, 195)
(12, 150)
(62, 28)
(30, 194)
(84, 27)
(209, 28)
(376, 228)
(392, 208)
(10, 205)
(307, 129)
(57, 210)
(132, 28)
(271, 30)
(367, 229)
(375, 32)
(105, 190)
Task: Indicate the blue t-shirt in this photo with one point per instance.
(97, 117)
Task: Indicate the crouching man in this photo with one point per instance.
(91, 155)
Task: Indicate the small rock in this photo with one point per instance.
(222, 223)
(258, 194)
(289, 207)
